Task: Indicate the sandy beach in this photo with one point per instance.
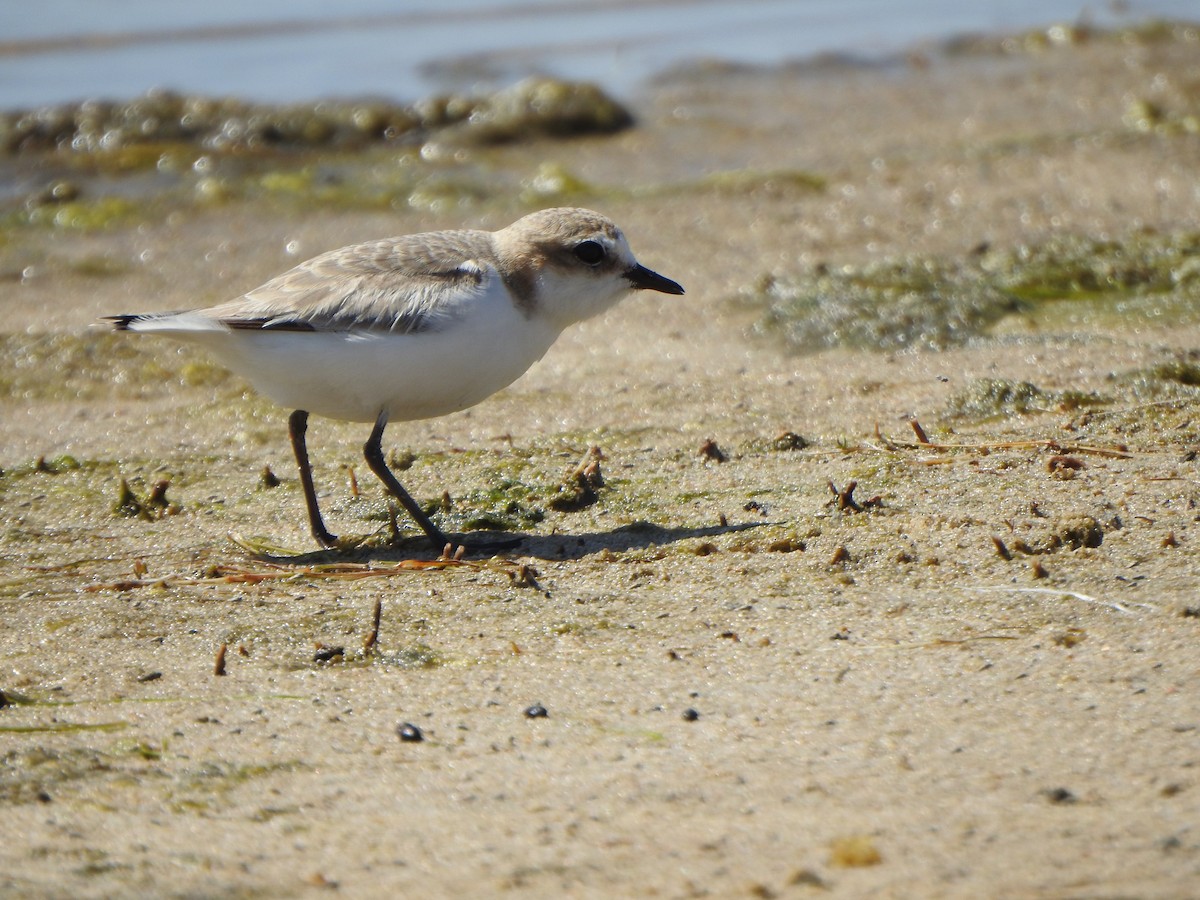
(973, 673)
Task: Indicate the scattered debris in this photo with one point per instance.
(1064, 467)
(373, 635)
(984, 448)
(845, 502)
(326, 654)
(1071, 637)
(224, 574)
(580, 487)
(268, 479)
(1073, 595)
(788, 440)
(524, 576)
(710, 450)
(854, 851)
(1075, 532)
(786, 545)
(1059, 795)
(807, 878)
(409, 733)
(153, 507)
(219, 663)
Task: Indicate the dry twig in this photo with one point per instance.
(984, 447)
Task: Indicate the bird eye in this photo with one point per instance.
(589, 252)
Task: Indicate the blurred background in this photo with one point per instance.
(55, 51)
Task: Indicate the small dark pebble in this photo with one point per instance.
(1191, 612)
(1059, 795)
(327, 654)
(409, 733)
(537, 711)
(149, 676)
(690, 715)
(3, 700)
(43, 797)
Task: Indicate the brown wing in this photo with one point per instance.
(403, 285)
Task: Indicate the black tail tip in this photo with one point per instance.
(121, 323)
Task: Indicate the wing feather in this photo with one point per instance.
(402, 286)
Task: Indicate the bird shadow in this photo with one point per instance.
(633, 536)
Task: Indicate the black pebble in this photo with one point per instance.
(537, 711)
(1059, 795)
(409, 733)
(326, 654)
(690, 715)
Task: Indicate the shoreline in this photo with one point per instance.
(977, 682)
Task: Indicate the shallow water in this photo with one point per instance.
(285, 50)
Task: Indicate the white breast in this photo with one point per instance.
(356, 375)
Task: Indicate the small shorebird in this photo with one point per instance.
(412, 327)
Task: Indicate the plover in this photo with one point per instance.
(411, 327)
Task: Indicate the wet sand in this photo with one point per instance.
(981, 682)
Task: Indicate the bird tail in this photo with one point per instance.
(177, 323)
(123, 322)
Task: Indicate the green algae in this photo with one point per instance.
(63, 727)
(27, 775)
(110, 164)
(553, 182)
(1068, 282)
(509, 504)
(418, 656)
(1072, 267)
(136, 133)
(1174, 378)
(540, 107)
(749, 181)
(990, 398)
(79, 215)
(886, 306)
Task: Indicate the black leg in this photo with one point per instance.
(373, 452)
(297, 425)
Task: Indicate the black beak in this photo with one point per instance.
(643, 279)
